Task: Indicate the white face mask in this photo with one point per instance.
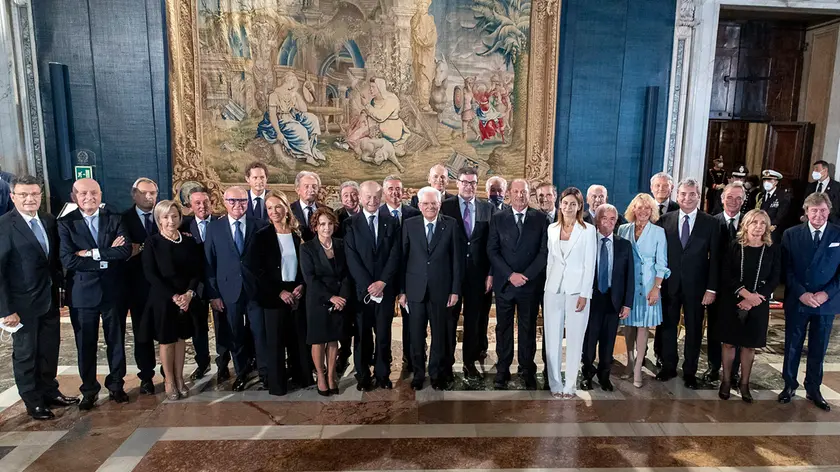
(768, 186)
(816, 175)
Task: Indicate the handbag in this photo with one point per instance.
(742, 314)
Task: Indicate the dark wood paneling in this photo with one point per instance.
(727, 139)
(788, 149)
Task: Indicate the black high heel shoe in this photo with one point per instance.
(724, 392)
(745, 392)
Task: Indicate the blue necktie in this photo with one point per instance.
(239, 239)
(396, 215)
(94, 231)
(686, 232)
(430, 231)
(147, 223)
(39, 235)
(817, 238)
(604, 267)
(202, 229)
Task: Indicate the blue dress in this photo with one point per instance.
(650, 258)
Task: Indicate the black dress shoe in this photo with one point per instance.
(471, 373)
(118, 396)
(482, 355)
(437, 384)
(530, 382)
(239, 383)
(691, 382)
(324, 393)
(199, 372)
(786, 395)
(819, 401)
(606, 385)
(666, 375)
(723, 391)
(40, 413)
(364, 384)
(586, 384)
(659, 363)
(417, 384)
(500, 381)
(62, 401)
(87, 403)
(385, 383)
(147, 387)
(711, 375)
(746, 396)
(222, 376)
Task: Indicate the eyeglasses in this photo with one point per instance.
(237, 201)
(25, 195)
(468, 183)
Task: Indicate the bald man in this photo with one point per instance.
(439, 179)
(94, 245)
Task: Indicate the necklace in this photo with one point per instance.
(326, 248)
(176, 241)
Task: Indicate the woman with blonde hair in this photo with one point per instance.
(650, 258)
(751, 271)
(569, 281)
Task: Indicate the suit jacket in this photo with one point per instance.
(29, 279)
(6, 204)
(370, 261)
(190, 225)
(266, 260)
(324, 279)
(249, 212)
(133, 268)
(810, 269)
(725, 237)
(406, 211)
(695, 269)
(88, 283)
(777, 208)
(474, 248)
(672, 206)
(508, 253)
(443, 198)
(833, 191)
(306, 233)
(573, 272)
(623, 278)
(343, 217)
(436, 267)
(229, 273)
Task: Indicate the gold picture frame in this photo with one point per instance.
(185, 95)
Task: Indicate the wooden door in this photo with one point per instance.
(788, 151)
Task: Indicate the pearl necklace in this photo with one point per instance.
(176, 241)
(325, 247)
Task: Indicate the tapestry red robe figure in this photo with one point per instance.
(490, 121)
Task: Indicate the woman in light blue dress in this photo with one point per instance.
(650, 257)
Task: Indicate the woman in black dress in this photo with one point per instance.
(174, 266)
(327, 290)
(751, 272)
(280, 294)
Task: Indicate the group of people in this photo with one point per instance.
(295, 288)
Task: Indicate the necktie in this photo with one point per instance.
(202, 229)
(239, 238)
(519, 226)
(686, 232)
(147, 223)
(39, 235)
(819, 187)
(817, 238)
(258, 209)
(604, 267)
(467, 219)
(732, 231)
(308, 214)
(661, 209)
(430, 231)
(372, 227)
(94, 231)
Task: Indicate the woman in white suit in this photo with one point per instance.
(569, 280)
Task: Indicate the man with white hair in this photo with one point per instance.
(661, 186)
(596, 195)
(439, 179)
(307, 186)
(496, 188)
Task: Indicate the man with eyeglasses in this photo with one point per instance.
(30, 274)
(473, 218)
(94, 246)
(307, 186)
(232, 285)
(439, 179)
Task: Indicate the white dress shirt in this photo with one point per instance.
(813, 230)
(392, 210)
(375, 222)
(737, 219)
(288, 257)
(523, 213)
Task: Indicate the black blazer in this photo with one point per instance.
(323, 279)
(88, 284)
(306, 233)
(133, 268)
(695, 269)
(172, 269)
(623, 279)
(189, 225)
(369, 262)
(476, 262)
(249, 212)
(508, 253)
(436, 267)
(725, 237)
(228, 272)
(267, 263)
(777, 208)
(415, 201)
(343, 218)
(29, 279)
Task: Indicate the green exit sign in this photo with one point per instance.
(84, 172)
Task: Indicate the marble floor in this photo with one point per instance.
(659, 427)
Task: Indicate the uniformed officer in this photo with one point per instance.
(773, 200)
(738, 175)
(715, 182)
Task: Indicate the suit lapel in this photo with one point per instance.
(825, 240)
(383, 227)
(229, 235)
(439, 228)
(82, 228)
(103, 230)
(577, 231)
(24, 229)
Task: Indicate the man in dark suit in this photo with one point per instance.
(307, 186)
(661, 187)
(30, 274)
(596, 195)
(94, 246)
(139, 222)
(496, 188)
(6, 204)
(430, 284)
(547, 201)
(473, 218)
(694, 258)
(517, 250)
(372, 248)
(256, 175)
(7, 177)
(824, 183)
(196, 225)
(732, 199)
(811, 254)
(393, 192)
(612, 298)
(232, 286)
(439, 179)
(773, 200)
(349, 194)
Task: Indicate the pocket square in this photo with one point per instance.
(834, 245)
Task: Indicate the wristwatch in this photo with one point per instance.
(659, 287)
(88, 253)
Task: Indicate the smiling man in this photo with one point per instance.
(439, 180)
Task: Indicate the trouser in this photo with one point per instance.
(86, 329)
(818, 330)
(300, 353)
(524, 305)
(422, 314)
(35, 358)
(276, 324)
(201, 335)
(559, 313)
(694, 312)
(476, 305)
(222, 351)
(346, 343)
(144, 347)
(245, 318)
(373, 335)
(600, 336)
(715, 355)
